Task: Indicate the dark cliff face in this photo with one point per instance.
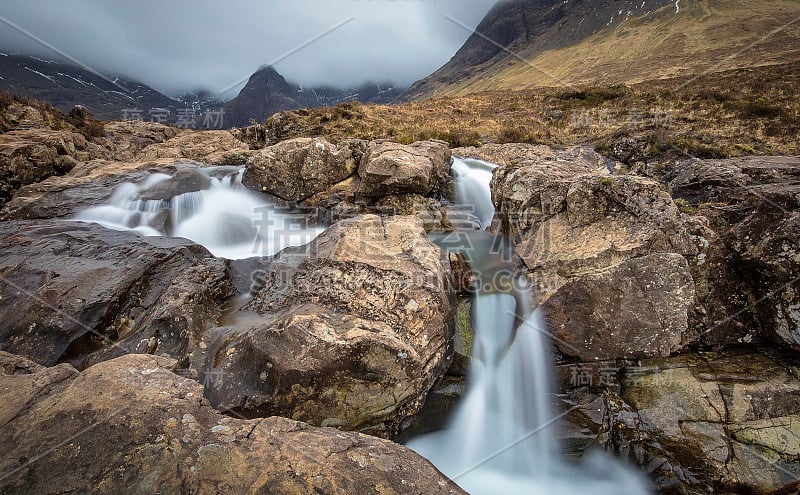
(516, 30)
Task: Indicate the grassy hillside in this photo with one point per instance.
(704, 36)
(733, 113)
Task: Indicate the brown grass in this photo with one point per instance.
(729, 34)
(734, 113)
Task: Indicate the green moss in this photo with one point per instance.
(464, 329)
(720, 224)
(685, 207)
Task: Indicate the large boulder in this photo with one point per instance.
(350, 331)
(634, 309)
(513, 154)
(131, 425)
(704, 181)
(534, 187)
(28, 156)
(125, 139)
(79, 293)
(391, 168)
(298, 169)
(601, 221)
(609, 256)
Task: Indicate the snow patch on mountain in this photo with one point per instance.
(43, 75)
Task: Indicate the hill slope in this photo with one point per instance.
(524, 44)
(730, 113)
(64, 86)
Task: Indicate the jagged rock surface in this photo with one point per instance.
(130, 425)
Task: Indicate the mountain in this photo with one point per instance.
(64, 86)
(267, 92)
(523, 44)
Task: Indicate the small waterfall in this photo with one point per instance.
(216, 211)
(501, 439)
(471, 186)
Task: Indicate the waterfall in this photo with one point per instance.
(221, 214)
(501, 438)
(471, 186)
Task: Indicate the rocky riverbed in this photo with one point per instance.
(671, 296)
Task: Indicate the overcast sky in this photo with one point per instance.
(178, 45)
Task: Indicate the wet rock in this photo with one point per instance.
(462, 343)
(748, 284)
(604, 253)
(87, 185)
(209, 147)
(297, 169)
(131, 425)
(428, 210)
(182, 182)
(440, 405)
(635, 309)
(716, 422)
(341, 195)
(80, 293)
(391, 168)
(350, 331)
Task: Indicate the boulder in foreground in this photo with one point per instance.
(80, 293)
(350, 331)
(131, 426)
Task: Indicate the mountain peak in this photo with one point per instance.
(268, 92)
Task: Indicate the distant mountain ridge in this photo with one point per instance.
(523, 44)
(65, 85)
(267, 92)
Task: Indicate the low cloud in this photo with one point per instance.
(186, 45)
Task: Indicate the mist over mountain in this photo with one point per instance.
(179, 46)
(267, 92)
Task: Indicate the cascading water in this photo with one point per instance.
(500, 440)
(221, 214)
(471, 186)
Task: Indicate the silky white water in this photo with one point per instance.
(471, 187)
(501, 438)
(225, 217)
